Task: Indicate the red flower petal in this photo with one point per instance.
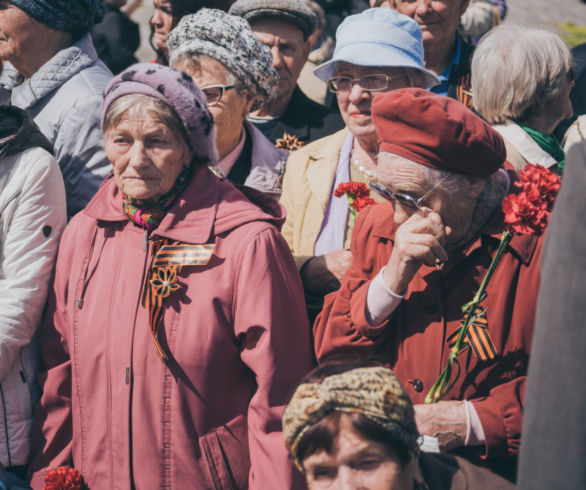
(528, 212)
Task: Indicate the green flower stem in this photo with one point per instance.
(351, 200)
(443, 384)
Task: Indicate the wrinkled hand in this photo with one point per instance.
(323, 273)
(419, 240)
(444, 420)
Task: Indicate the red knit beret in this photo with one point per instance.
(436, 131)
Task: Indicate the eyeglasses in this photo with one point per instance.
(214, 93)
(404, 200)
(371, 83)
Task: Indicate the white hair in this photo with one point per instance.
(518, 72)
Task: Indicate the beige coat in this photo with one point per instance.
(307, 187)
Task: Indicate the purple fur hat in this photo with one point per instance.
(178, 91)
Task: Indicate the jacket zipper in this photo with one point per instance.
(6, 427)
(128, 369)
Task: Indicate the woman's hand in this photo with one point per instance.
(419, 240)
(444, 420)
(322, 274)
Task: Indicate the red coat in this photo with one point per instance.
(414, 341)
(236, 330)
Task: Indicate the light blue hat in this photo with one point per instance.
(378, 37)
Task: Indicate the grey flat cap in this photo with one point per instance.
(294, 11)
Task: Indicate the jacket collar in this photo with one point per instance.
(60, 68)
(188, 221)
(321, 170)
(524, 144)
(268, 162)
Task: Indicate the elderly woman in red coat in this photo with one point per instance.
(420, 257)
(176, 327)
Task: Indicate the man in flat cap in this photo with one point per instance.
(418, 258)
(285, 27)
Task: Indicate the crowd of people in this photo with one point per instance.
(210, 279)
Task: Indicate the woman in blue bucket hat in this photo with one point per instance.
(376, 51)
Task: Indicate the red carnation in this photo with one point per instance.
(528, 212)
(352, 189)
(362, 202)
(357, 193)
(64, 478)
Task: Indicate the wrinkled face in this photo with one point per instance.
(162, 22)
(438, 19)
(356, 463)
(230, 112)
(146, 156)
(355, 105)
(288, 48)
(406, 177)
(19, 33)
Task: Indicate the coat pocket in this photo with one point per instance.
(225, 452)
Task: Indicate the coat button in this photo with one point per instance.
(47, 230)
(417, 385)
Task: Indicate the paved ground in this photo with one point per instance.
(545, 14)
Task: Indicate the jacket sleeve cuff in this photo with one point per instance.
(37, 481)
(493, 425)
(501, 417)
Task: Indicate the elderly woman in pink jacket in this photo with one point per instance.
(176, 327)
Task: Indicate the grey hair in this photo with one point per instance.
(138, 104)
(452, 185)
(191, 63)
(517, 72)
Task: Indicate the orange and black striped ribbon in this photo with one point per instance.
(478, 337)
(161, 279)
(464, 91)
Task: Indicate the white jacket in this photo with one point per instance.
(32, 217)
